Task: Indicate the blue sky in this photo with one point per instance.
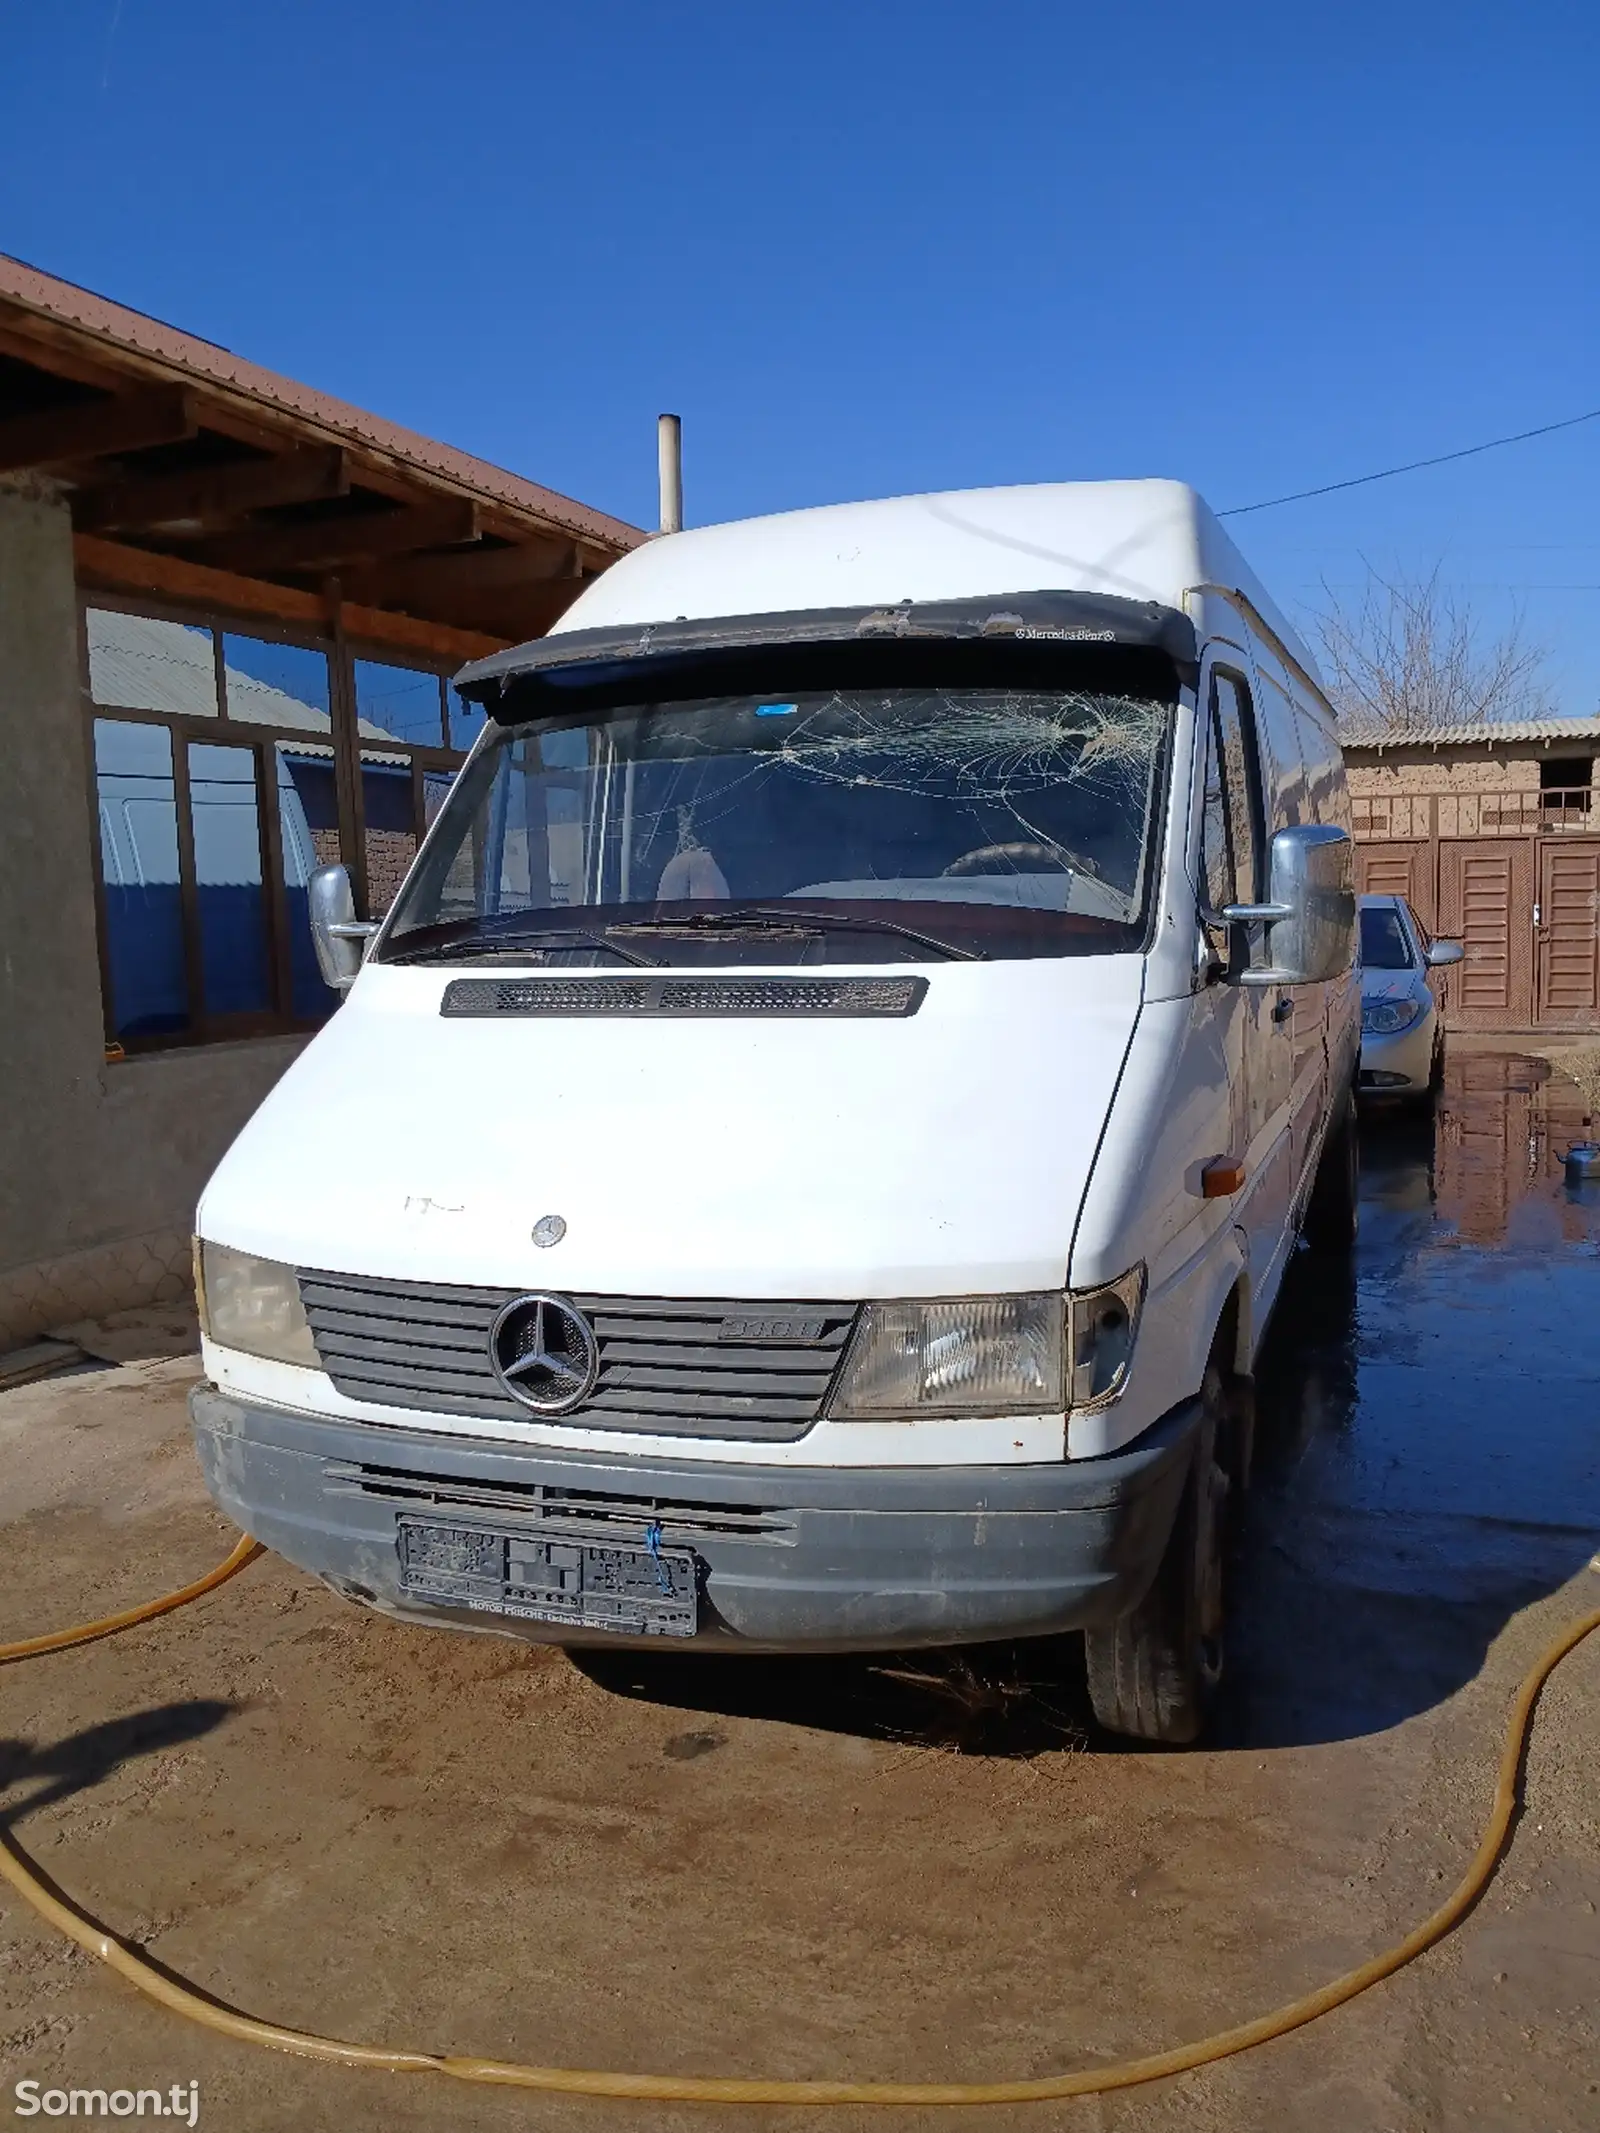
(865, 249)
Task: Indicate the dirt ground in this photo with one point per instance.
(933, 1869)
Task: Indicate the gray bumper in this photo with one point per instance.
(1402, 1060)
(794, 1558)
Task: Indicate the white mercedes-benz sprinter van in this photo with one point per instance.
(808, 1158)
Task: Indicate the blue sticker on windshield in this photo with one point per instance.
(776, 710)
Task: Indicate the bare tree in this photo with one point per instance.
(1409, 656)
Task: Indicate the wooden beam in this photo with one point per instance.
(112, 567)
(211, 497)
(130, 422)
(327, 544)
(116, 568)
(519, 611)
(469, 570)
(58, 362)
(439, 640)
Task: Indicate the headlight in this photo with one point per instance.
(254, 1304)
(975, 1355)
(1385, 1018)
(1104, 1324)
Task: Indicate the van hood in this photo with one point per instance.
(943, 1153)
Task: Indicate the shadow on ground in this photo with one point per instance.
(1427, 1466)
(83, 1760)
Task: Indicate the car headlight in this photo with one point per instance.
(1385, 1018)
(253, 1304)
(971, 1355)
(1104, 1324)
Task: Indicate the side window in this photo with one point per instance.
(1216, 857)
(1231, 707)
(1231, 832)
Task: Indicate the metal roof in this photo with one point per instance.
(163, 351)
(1484, 733)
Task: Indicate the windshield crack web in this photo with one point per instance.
(1015, 742)
(996, 750)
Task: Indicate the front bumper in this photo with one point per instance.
(1399, 1063)
(792, 1559)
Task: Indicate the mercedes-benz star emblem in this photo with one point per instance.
(544, 1353)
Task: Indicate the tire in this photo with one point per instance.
(1436, 1066)
(1331, 1216)
(1153, 1674)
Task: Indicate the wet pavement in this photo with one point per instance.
(934, 1867)
(1429, 1433)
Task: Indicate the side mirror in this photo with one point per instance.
(1443, 952)
(1311, 916)
(338, 936)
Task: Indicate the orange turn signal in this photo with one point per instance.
(1221, 1177)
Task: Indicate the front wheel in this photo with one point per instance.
(1154, 1673)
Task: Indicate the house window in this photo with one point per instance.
(230, 764)
(1564, 782)
(139, 868)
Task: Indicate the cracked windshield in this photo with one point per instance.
(829, 826)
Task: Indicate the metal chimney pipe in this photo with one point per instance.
(669, 453)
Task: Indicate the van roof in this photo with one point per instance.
(1139, 540)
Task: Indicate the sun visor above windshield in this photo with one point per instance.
(533, 678)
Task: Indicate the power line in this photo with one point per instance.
(1412, 465)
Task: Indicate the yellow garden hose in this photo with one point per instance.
(57, 1640)
(670, 2088)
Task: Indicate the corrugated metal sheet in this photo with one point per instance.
(1489, 733)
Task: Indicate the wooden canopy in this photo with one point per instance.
(196, 476)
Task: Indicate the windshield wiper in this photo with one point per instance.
(479, 944)
(848, 922)
(765, 918)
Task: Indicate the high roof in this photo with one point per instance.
(180, 457)
(1141, 540)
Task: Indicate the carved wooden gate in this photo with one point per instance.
(1486, 901)
(1568, 924)
(1516, 877)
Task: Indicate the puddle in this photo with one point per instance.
(1428, 1463)
(1429, 1455)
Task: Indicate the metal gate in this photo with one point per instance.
(1567, 918)
(1527, 909)
(1486, 900)
(1399, 869)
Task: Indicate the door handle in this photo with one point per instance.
(1284, 1008)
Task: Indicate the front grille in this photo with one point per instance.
(596, 1514)
(683, 996)
(668, 1367)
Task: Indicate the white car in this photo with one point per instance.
(1402, 1029)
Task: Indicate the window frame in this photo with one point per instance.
(348, 746)
(1254, 795)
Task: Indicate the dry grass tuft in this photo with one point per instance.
(1580, 1063)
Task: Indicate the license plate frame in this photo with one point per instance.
(543, 1572)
